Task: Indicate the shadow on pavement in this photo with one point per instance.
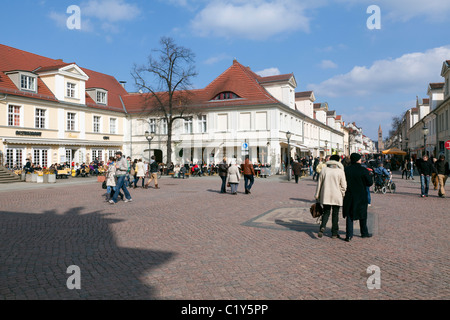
(308, 228)
(37, 249)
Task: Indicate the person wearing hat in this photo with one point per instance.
(356, 199)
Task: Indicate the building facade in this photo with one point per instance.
(60, 112)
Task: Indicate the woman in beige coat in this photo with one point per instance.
(234, 176)
(330, 193)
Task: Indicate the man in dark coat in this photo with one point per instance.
(297, 169)
(223, 174)
(425, 168)
(356, 199)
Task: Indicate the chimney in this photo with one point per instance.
(123, 83)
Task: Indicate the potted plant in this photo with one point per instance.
(40, 177)
(51, 176)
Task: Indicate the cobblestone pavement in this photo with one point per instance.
(187, 241)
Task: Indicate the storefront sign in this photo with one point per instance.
(28, 133)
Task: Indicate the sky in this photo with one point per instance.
(368, 63)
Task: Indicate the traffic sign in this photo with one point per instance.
(245, 146)
(447, 144)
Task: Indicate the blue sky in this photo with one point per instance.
(367, 76)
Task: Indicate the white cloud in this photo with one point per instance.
(268, 72)
(110, 10)
(328, 64)
(252, 19)
(216, 59)
(409, 73)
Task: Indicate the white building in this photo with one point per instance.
(240, 108)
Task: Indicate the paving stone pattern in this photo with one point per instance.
(188, 241)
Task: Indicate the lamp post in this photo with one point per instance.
(149, 136)
(288, 168)
(425, 133)
(326, 147)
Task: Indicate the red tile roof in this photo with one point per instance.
(237, 79)
(12, 59)
(305, 94)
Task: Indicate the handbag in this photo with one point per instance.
(104, 186)
(316, 210)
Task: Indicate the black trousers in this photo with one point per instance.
(334, 210)
(223, 189)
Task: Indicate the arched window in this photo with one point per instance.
(226, 96)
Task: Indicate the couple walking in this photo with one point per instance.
(344, 187)
(231, 174)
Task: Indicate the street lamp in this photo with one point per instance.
(425, 133)
(326, 147)
(288, 136)
(149, 136)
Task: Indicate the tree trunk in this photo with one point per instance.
(169, 142)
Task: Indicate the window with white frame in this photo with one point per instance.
(40, 157)
(71, 121)
(97, 153)
(222, 122)
(40, 118)
(71, 90)
(102, 97)
(27, 83)
(113, 125)
(14, 116)
(188, 125)
(152, 125)
(164, 126)
(202, 124)
(14, 158)
(96, 124)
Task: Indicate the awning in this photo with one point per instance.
(293, 145)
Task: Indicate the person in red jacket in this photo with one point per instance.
(249, 175)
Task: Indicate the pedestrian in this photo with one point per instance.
(223, 174)
(330, 193)
(434, 177)
(442, 171)
(154, 168)
(234, 176)
(121, 173)
(356, 199)
(140, 173)
(111, 180)
(425, 169)
(405, 169)
(249, 175)
(411, 168)
(297, 170)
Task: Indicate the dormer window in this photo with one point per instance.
(102, 97)
(226, 96)
(27, 82)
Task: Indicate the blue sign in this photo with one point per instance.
(245, 146)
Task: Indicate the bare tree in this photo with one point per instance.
(165, 83)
